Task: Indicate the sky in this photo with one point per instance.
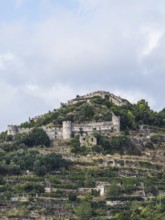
(52, 50)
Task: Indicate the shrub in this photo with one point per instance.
(114, 190)
(84, 211)
(97, 148)
(32, 188)
(35, 138)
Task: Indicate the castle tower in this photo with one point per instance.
(66, 129)
(116, 122)
(12, 130)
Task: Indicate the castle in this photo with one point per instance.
(105, 95)
(68, 129)
(85, 130)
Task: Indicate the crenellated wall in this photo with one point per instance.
(68, 128)
(87, 98)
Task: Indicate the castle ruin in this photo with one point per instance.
(105, 95)
(69, 129)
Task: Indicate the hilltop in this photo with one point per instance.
(96, 157)
(98, 106)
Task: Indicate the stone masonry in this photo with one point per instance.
(86, 129)
(68, 129)
(87, 98)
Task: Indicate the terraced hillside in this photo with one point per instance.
(121, 177)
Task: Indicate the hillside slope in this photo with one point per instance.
(121, 176)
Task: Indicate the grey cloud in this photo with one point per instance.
(97, 45)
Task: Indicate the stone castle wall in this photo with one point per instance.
(24, 130)
(93, 126)
(86, 98)
(53, 132)
(68, 128)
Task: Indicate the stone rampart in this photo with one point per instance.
(68, 128)
(53, 132)
(93, 126)
(86, 98)
(24, 130)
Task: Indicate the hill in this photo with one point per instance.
(96, 157)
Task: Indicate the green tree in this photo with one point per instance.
(36, 137)
(114, 190)
(84, 211)
(75, 144)
(40, 170)
(86, 111)
(32, 187)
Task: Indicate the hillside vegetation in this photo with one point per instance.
(100, 110)
(122, 177)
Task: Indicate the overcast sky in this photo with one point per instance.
(52, 50)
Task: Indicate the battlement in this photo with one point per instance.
(68, 128)
(85, 129)
(87, 98)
